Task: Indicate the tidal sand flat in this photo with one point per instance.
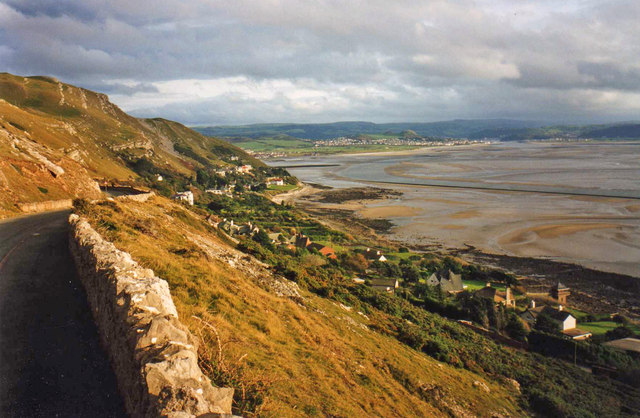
(572, 202)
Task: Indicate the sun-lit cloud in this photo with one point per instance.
(215, 61)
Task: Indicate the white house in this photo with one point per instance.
(277, 181)
(184, 196)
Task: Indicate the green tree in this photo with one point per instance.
(547, 324)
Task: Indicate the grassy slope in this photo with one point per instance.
(80, 131)
(316, 359)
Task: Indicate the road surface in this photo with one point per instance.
(51, 363)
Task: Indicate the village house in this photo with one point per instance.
(566, 321)
(244, 168)
(184, 197)
(275, 181)
(328, 252)
(498, 297)
(385, 285)
(448, 282)
(303, 241)
(216, 191)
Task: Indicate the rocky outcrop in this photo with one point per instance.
(153, 355)
(46, 205)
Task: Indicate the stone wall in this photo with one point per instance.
(153, 355)
(46, 205)
(142, 197)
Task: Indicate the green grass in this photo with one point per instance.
(601, 327)
(473, 285)
(283, 188)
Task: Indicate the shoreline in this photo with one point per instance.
(595, 289)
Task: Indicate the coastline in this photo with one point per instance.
(374, 220)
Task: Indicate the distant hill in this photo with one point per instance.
(453, 129)
(620, 131)
(504, 129)
(55, 137)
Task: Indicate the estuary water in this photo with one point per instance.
(571, 201)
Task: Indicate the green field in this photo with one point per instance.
(473, 285)
(284, 188)
(601, 327)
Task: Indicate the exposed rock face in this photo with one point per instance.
(154, 355)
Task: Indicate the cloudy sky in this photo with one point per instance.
(237, 61)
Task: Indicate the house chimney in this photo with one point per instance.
(532, 304)
(560, 308)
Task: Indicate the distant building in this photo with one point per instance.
(276, 181)
(302, 241)
(184, 197)
(386, 285)
(566, 321)
(159, 178)
(244, 168)
(560, 292)
(449, 282)
(324, 250)
(505, 298)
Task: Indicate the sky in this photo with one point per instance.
(210, 62)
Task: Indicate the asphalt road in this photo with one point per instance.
(51, 362)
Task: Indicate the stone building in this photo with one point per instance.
(560, 292)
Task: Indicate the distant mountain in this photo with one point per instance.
(452, 129)
(55, 138)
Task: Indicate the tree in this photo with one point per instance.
(620, 332)
(515, 328)
(547, 324)
(262, 238)
(410, 273)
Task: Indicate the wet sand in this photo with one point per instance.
(597, 232)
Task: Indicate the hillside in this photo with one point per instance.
(291, 352)
(55, 138)
(315, 344)
(504, 129)
(453, 129)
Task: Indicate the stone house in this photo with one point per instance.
(386, 285)
(498, 297)
(449, 282)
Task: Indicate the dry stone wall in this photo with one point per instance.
(153, 355)
(46, 205)
(142, 197)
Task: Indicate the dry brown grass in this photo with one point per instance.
(287, 359)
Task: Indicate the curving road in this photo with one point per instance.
(51, 363)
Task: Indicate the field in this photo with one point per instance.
(601, 327)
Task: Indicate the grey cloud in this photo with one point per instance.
(546, 60)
